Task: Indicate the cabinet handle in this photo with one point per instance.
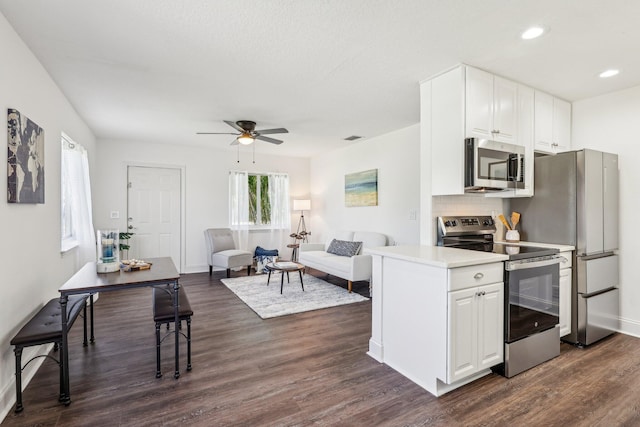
(479, 294)
(563, 260)
(478, 276)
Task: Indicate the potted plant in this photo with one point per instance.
(124, 244)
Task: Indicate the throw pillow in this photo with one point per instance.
(344, 247)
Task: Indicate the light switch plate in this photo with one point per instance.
(115, 214)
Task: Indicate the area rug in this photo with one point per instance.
(267, 301)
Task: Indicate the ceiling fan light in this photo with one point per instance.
(245, 139)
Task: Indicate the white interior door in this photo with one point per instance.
(153, 212)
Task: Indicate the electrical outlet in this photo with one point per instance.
(413, 215)
(115, 214)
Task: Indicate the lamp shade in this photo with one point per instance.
(301, 205)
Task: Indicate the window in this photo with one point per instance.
(258, 200)
(76, 225)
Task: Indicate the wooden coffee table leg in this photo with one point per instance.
(268, 277)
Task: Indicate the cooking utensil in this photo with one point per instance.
(504, 221)
(515, 219)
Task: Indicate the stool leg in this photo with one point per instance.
(62, 393)
(91, 313)
(85, 341)
(18, 351)
(188, 343)
(158, 372)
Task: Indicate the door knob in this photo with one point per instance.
(130, 227)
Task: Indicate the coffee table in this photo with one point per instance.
(284, 267)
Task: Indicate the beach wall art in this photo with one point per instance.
(25, 162)
(361, 188)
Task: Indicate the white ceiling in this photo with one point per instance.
(161, 70)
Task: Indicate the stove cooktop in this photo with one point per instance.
(476, 234)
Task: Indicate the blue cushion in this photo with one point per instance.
(344, 247)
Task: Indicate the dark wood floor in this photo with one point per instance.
(307, 369)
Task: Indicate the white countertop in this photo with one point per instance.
(437, 256)
(561, 248)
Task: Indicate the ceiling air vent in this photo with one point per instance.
(352, 138)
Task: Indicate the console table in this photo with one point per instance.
(87, 280)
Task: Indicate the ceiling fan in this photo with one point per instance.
(248, 133)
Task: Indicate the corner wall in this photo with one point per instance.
(396, 155)
(32, 266)
(610, 123)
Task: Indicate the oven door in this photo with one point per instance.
(532, 296)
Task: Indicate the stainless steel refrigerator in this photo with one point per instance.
(575, 202)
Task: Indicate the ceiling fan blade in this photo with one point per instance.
(234, 142)
(215, 133)
(270, 131)
(267, 139)
(234, 125)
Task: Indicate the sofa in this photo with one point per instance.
(334, 257)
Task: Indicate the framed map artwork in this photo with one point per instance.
(25, 163)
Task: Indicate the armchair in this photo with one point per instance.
(222, 252)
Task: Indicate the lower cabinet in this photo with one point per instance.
(475, 330)
(565, 293)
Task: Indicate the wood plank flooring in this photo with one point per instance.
(306, 369)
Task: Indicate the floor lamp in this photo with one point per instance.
(302, 205)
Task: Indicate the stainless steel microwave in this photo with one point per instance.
(492, 166)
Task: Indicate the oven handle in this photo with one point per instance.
(523, 265)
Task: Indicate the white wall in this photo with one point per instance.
(32, 267)
(610, 123)
(206, 187)
(396, 155)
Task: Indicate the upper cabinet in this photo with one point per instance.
(490, 106)
(552, 124)
(466, 102)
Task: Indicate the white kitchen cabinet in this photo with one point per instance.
(475, 330)
(565, 293)
(442, 327)
(552, 124)
(491, 105)
(466, 102)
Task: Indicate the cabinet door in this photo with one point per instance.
(543, 129)
(505, 99)
(462, 334)
(525, 137)
(565, 301)
(479, 104)
(490, 325)
(561, 125)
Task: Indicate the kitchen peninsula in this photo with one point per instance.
(437, 313)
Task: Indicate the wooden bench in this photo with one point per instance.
(46, 327)
(163, 313)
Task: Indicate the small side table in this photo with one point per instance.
(285, 267)
(294, 253)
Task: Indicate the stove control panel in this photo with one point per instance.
(461, 225)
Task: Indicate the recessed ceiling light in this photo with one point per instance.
(532, 33)
(609, 73)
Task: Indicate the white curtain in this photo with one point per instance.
(76, 167)
(239, 207)
(280, 212)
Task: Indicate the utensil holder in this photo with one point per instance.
(512, 236)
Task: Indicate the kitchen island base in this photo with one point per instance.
(437, 322)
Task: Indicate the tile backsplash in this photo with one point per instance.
(470, 205)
